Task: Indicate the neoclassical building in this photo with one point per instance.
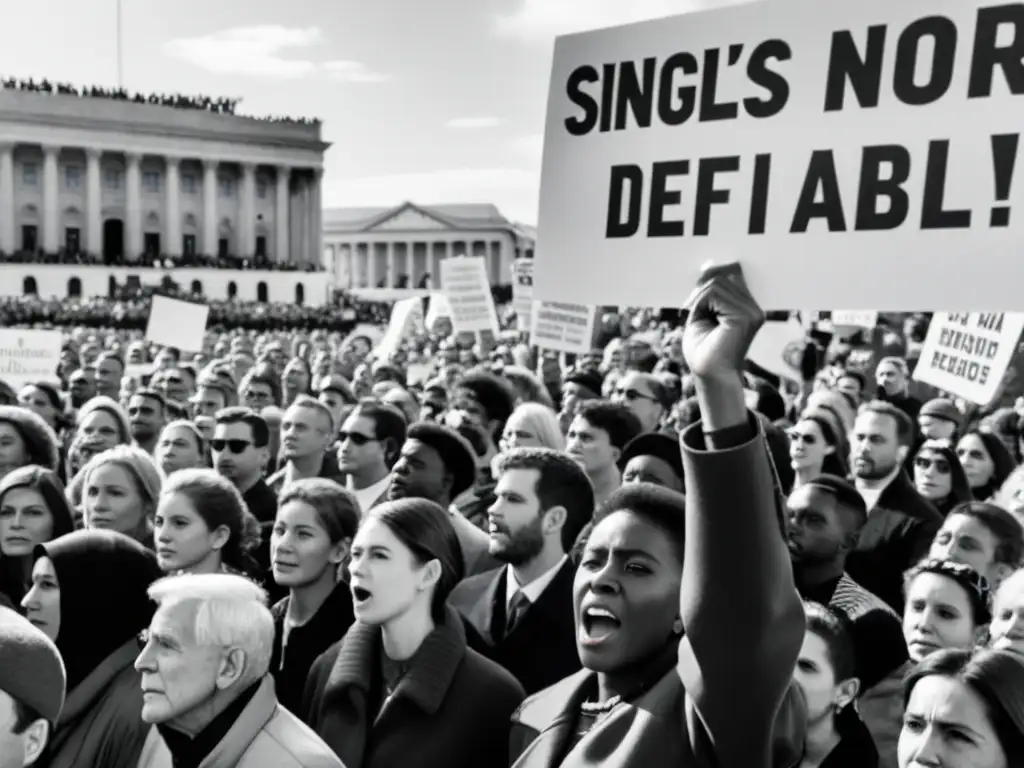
(121, 178)
(385, 247)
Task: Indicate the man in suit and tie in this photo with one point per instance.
(520, 615)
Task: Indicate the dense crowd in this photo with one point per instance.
(291, 549)
(155, 261)
(216, 105)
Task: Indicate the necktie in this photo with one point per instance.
(516, 609)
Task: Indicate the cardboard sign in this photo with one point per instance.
(967, 354)
(843, 159)
(563, 327)
(468, 291)
(406, 319)
(174, 323)
(28, 356)
(855, 318)
(522, 293)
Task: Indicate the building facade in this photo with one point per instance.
(120, 178)
(400, 247)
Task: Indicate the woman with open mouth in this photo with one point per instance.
(401, 688)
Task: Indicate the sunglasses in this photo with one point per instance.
(356, 437)
(633, 394)
(941, 465)
(800, 437)
(235, 446)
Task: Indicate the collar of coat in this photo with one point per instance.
(431, 670)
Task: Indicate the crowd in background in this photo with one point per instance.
(479, 553)
(153, 261)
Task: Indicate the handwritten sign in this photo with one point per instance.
(28, 355)
(563, 327)
(468, 291)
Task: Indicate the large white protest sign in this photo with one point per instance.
(855, 318)
(967, 354)
(522, 293)
(174, 323)
(563, 327)
(27, 356)
(465, 284)
(406, 319)
(850, 158)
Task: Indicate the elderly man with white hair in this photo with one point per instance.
(206, 687)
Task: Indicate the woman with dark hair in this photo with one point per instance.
(825, 671)
(88, 595)
(33, 511)
(44, 399)
(964, 709)
(202, 525)
(309, 550)
(939, 477)
(402, 687)
(26, 439)
(817, 446)
(986, 462)
(295, 380)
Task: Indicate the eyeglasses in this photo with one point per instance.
(800, 437)
(235, 446)
(356, 438)
(941, 465)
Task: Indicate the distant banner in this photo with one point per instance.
(840, 157)
(28, 356)
(855, 318)
(406, 319)
(522, 293)
(465, 284)
(563, 327)
(175, 323)
(967, 354)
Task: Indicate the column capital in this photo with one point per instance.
(133, 158)
(283, 170)
(208, 163)
(93, 153)
(7, 147)
(51, 149)
(173, 161)
(248, 167)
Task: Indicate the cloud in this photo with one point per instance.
(513, 190)
(544, 19)
(474, 122)
(352, 72)
(256, 51)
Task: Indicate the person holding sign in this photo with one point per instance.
(688, 623)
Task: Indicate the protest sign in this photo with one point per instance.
(967, 354)
(522, 293)
(468, 290)
(563, 327)
(854, 157)
(438, 312)
(855, 318)
(28, 356)
(406, 319)
(175, 323)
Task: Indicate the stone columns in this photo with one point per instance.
(172, 202)
(371, 267)
(281, 251)
(247, 212)
(133, 204)
(210, 207)
(51, 199)
(93, 202)
(8, 236)
(316, 217)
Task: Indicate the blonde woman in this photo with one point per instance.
(531, 425)
(118, 490)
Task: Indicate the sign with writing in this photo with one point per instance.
(174, 323)
(855, 318)
(563, 327)
(406, 319)
(28, 356)
(468, 291)
(967, 354)
(872, 139)
(522, 293)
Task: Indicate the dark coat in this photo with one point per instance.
(730, 702)
(542, 648)
(305, 644)
(452, 708)
(898, 533)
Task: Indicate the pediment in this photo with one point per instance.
(408, 219)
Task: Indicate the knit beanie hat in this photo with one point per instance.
(31, 669)
(941, 408)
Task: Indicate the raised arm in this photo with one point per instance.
(742, 615)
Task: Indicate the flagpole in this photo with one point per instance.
(120, 67)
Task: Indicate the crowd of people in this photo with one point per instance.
(293, 550)
(216, 105)
(155, 261)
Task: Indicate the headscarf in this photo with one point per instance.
(103, 578)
